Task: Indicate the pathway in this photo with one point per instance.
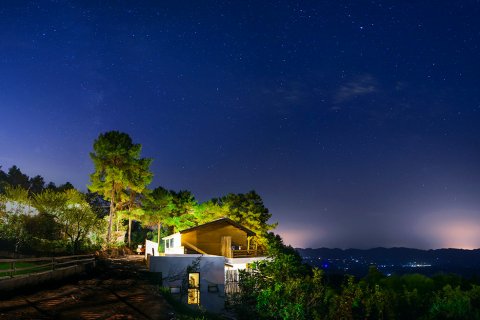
(120, 291)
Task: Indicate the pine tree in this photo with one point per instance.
(248, 210)
(117, 166)
(159, 207)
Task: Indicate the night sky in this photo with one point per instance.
(357, 122)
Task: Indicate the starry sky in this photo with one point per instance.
(358, 122)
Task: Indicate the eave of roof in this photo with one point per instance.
(229, 221)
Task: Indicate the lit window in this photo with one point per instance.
(194, 288)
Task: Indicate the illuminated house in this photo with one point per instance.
(222, 237)
(213, 252)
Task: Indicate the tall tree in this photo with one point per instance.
(17, 178)
(66, 186)
(37, 184)
(115, 157)
(159, 207)
(139, 177)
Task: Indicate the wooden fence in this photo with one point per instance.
(232, 278)
(232, 286)
(17, 266)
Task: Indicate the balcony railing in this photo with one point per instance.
(246, 253)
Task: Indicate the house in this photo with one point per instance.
(222, 237)
(208, 255)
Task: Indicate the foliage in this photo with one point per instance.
(130, 214)
(452, 303)
(282, 287)
(180, 210)
(209, 211)
(139, 234)
(183, 208)
(71, 211)
(17, 179)
(15, 210)
(14, 177)
(43, 226)
(139, 177)
(17, 199)
(248, 210)
(158, 205)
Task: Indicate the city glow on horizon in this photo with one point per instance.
(452, 228)
(461, 234)
(298, 238)
(436, 229)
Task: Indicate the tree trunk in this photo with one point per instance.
(129, 231)
(110, 217)
(159, 228)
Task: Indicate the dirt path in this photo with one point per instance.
(120, 291)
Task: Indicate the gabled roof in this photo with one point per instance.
(219, 222)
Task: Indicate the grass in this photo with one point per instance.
(19, 265)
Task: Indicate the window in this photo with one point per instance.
(194, 288)
(167, 242)
(171, 243)
(175, 289)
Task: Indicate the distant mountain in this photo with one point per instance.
(466, 262)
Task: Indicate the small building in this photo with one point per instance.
(201, 263)
(222, 237)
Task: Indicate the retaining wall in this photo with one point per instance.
(35, 279)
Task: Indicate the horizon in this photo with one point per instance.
(350, 136)
(388, 248)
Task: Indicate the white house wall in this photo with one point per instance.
(151, 248)
(177, 244)
(240, 263)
